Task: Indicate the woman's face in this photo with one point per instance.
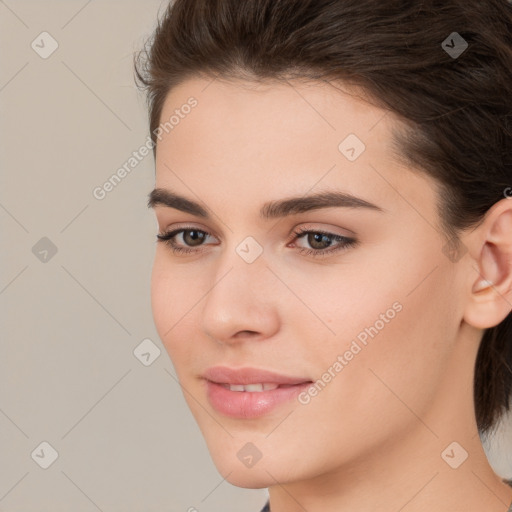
(360, 335)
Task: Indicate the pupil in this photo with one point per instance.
(194, 236)
(319, 238)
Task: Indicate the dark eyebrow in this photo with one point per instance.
(270, 210)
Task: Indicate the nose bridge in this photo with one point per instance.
(239, 298)
(241, 263)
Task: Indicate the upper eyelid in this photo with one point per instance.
(180, 229)
(348, 233)
(308, 226)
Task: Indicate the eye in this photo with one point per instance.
(322, 242)
(189, 235)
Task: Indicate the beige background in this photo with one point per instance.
(71, 320)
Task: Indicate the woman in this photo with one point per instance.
(333, 278)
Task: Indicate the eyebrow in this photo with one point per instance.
(271, 209)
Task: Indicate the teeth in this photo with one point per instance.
(251, 387)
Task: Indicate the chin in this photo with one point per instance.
(248, 478)
(242, 465)
(263, 473)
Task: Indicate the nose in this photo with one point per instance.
(242, 302)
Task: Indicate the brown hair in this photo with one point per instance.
(457, 107)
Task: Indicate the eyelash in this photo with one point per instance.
(345, 242)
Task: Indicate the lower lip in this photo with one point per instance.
(247, 404)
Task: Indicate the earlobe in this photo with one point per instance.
(490, 298)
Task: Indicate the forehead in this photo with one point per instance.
(270, 121)
(277, 139)
(264, 109)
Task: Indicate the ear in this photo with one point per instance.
(490, 245)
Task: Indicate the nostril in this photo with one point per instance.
(246, 334)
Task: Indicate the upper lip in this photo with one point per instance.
(225, 375)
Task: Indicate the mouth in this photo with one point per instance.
(250, 376)
(246, 393)
(255, 388)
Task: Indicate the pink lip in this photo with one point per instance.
(225, 375)
(245, 404)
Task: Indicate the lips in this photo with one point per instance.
(247, 376)
(247, 393)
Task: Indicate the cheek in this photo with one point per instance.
(167, 300)
(175, 302)
(159, 295)
(393, 367)
(395, 325)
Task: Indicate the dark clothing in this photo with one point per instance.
(266, 508)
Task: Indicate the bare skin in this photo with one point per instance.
(378, 436)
